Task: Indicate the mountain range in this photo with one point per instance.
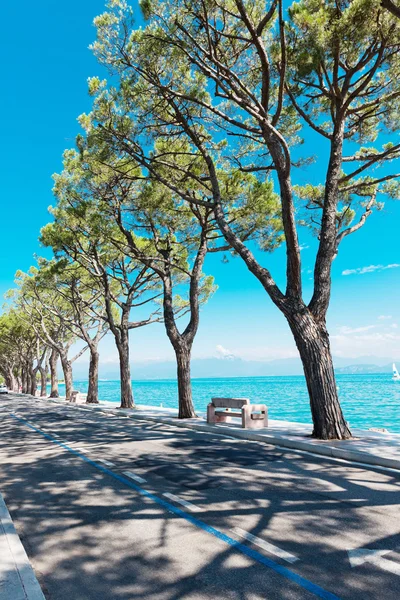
(237, 367)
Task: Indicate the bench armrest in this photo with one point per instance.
(255, 416)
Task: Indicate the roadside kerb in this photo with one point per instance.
(320, 448)
(17, 578)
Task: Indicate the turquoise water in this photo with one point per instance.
(367, 400)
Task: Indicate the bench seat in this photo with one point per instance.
(223, 410)
(229, 413)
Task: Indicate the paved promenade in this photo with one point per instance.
(114, 508)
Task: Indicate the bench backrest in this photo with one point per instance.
(230, 402)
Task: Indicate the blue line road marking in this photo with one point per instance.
(246, 550)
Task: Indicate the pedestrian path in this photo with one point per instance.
(17, 578)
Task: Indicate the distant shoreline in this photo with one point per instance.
(155, 379)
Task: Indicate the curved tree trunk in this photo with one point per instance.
(125, 371)
(28, 380)
(10, 380)
(67, 370)
(43, 381)
(312, 341)
(24, 381)
(186, 408)
(14, 383)
(53, 374)
(7, 379)
(93, 387)
(32, 374)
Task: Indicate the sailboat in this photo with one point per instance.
(396, 376)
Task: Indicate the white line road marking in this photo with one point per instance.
(360, 556)
(106, 462)
(290, 558)
(315, 589)
(185, 503)
(135, 477)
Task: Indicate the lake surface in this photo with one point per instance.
(367, 400)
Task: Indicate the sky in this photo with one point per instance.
(45, 65)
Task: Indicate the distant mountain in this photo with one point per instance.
(237, 367)
(361, 369)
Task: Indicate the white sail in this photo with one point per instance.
(396, 376)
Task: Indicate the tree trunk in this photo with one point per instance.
(312, 341)
(11, 381)
(7, 379)
(67, 370)
(24, 382)
(125, 372)
(32, 375)
(93, 387)
(43, 381)
(186, 408)
(28, 381)
(53, 374)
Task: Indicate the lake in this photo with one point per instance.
(367, 400)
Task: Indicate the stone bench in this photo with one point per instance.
(223, 410)
(75, 396)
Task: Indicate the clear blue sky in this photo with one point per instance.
(45, 65)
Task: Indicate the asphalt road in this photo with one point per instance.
(174, 513)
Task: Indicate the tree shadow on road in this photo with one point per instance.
(84, 529)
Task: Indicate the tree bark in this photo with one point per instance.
(93, 387)
(24, 381)
(53, 374)
(28, 381)
(186, 408)
(11, 380)
(43, 381)
(33, 380)
(67, 370)
(312, 340)
(182, 342)
(8, 381)
(391, 7)
(14, 383)
(125, 371)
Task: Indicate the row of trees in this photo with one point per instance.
(195, 149)
(24, 360)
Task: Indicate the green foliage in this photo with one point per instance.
(167, 79)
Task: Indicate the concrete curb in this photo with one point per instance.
(17, 578)
(323, 449)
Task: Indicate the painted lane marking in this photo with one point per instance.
(106, 462)
(359, 556)
(245, 550)
(290, 558)
(135, 477)
(185, 503)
